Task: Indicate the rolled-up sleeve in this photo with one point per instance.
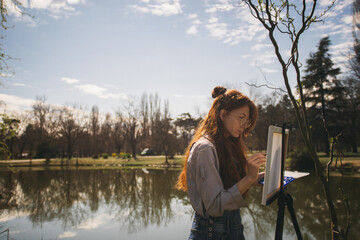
(209, 186)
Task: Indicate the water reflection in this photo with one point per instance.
(311, 209)
(136, 200)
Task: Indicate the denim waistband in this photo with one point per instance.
(230, 220)
(226, 214)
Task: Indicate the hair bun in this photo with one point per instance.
(218, 91)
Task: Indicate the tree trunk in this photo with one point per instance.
(69, 148)
(326, 186)
(354, 135)
(133, 151)
(166, 159)
(354, 143)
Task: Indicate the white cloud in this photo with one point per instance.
(76, 1)
(196, 22)
(192, 16)
(340, 52)
(342, 46)
(337, 20)
(336, 10)
(225, 7)
(94, 222)
(324, 27)
(13, 215)
(246, 29)
(267, 57)
(13, 10)
(341, 5)
(340, 60)
(160, 8)
(216, 29)
(99, 91)
(192, 30)
(67, 235)
(69, 80)
(55, 8)
(92, 89)
(347, 19)
(6, 74)
(213, 20)
(40, 4)
(269, 70)
(15, 103)
(260, 46)
(18, 84)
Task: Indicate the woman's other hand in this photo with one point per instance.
(254, 162)
(260, 178)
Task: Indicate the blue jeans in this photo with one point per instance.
(226, 227)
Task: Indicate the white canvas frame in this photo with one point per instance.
(273, 163)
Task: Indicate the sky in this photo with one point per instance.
(107, 53)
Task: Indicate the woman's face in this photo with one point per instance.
(236, 121)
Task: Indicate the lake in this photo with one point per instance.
(143, 204)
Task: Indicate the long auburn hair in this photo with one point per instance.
(228, 148)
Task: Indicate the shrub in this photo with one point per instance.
(113, 155)
(124, 155)
(105, 156)
(301, 159)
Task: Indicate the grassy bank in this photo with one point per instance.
(140, 161)
(352, 159)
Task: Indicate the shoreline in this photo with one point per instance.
(350, 166)
(155, 161)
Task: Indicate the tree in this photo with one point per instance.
(94, 126)
(23, 136)
(132, 128)
(19, 7)
(70, 127)
(105, 135)
(352, 84)
(45, 128)
(293, 19)
(321, 87)
(155, 116)
(165, 134)
(40, 111)
(118, 133)
(144, 113)
(272, 110)
(354, 60)
(350, 113)
(8, 128)
(186, 126)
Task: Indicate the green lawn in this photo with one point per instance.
(354, 159)
(141, 161)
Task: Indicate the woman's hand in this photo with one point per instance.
(254, 163)
(260, 178)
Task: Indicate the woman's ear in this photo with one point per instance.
(222, 114)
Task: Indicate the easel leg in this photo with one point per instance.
(289, 204)
(280, 218)
(286, 199)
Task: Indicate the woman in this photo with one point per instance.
(217, 174)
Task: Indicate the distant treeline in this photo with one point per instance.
(66, 132)
(48, 131)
